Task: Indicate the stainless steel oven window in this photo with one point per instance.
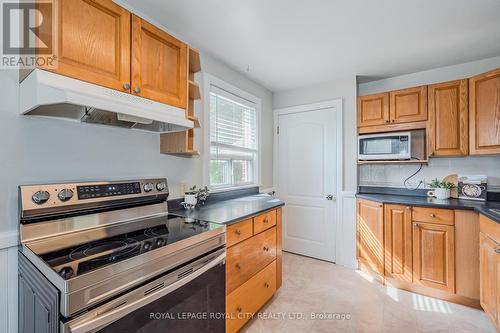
(189, 299)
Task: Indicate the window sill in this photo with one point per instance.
(232, 188)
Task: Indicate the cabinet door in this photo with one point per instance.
(489, 271)
(159, 65)
(373, 110)
(408, 105)
(448, 130)
(434, 256)
(370, 235)
(93, 42)
(398, 242)
(484, 104)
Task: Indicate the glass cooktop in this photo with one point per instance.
(81, 259)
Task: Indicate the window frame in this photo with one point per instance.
(241, 95)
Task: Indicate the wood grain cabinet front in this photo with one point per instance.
(238, 232)
(373, 110)
(434, 256)
(264, 222)
(370, 235)
(484, 105)
(93, 42)
(248, 257)
(408, 105)
(159, 65)
(245, 301)
(448, 124)
(398, 256)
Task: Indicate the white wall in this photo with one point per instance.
(345, 89)
(48, 150)
(394, 175)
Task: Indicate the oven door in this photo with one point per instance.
(189, 299)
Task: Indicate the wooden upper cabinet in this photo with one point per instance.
(448, 126)
(93, 42)
(370, 235)
(373, 110)
(489, 264)
(159, 65)
(398, 242)
(484, 104)
(408, 105)
(434, 256)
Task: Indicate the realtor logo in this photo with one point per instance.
(28, 35)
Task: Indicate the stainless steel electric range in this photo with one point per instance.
(107, 257)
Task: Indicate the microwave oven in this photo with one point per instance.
(386, 146)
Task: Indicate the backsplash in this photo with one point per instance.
(391, 175)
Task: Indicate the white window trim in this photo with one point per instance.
(208, 81)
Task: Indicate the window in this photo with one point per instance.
(233, 136)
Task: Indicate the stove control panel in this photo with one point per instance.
(108, 190)
(36, 197)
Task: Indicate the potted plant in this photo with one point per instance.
(440, 189)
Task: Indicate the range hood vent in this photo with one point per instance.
(48, 94)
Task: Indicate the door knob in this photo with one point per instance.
(330, 197)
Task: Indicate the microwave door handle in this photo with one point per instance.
(83, 325)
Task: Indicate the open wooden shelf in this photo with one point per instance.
(194, 90)
(181, 144)
(394, 162)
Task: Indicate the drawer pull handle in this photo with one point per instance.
(266, 220)
(239, 309)
(238, 266)
(497, 250)
(433, 215)
(266, 285)
(266, 248)
(238, 232)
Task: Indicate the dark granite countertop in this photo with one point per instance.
(478, 206)
(233, 210)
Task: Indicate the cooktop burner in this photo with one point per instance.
(78, 260)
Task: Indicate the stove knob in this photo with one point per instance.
(66, 272)
(161, 186)
(160, 242)
(65, 194)
(40, 197)
(148, 187)
(147, 246)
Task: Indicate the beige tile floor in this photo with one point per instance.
(314, 286)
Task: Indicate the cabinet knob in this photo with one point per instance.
(392, 120)
(416, 225)
(432, 215)
(266, 248)
(239, 309)
(126, 86)
(266, 285)
(137, 90)
(266, 220)
(497, 250)
(238, 232)
(387, 121)
(238, 266)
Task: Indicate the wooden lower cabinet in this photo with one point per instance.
(434, 252)
(398, 242)
(370, 235)
(489, 264)
(253, 266)
(434, 256)
(244, 302)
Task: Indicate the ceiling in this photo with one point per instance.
(287, 44)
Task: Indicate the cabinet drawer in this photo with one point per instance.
(242, 303)
(434, 215)
(264, 221)
(249, 257)
(239, 232)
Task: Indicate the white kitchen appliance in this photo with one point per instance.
(385, 146)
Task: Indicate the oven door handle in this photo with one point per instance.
(92, 322)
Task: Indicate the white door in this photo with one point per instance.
(307, 181)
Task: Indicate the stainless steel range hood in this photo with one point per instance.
(47, 94)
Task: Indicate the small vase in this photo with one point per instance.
(440, 193)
